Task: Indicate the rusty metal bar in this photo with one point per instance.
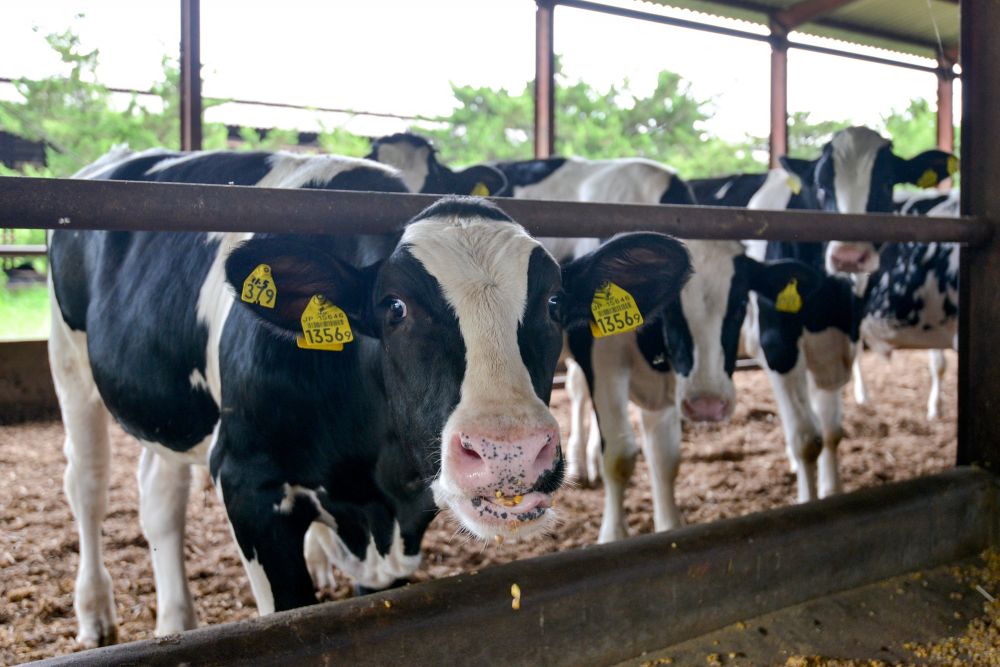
(945, 105)
(40, 203)
(778, 137)
(731, 32)
(191, 107)
(611, 602)
(545, 80)
(25, 250)
(978, 362)
(808, 10)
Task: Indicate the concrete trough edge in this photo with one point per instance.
(604, 604)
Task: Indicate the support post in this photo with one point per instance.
(945, 104)
(545, 85)
(190, 75)
(978, 362)
(778, 142)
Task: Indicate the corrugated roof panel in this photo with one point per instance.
(904, 26)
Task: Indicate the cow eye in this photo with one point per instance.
(396, 310)
(555, 307)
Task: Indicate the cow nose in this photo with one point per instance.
(483, 465)
(706, 409)
(853, 259)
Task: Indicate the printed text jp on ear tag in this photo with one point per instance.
(480, 190)
(614, 311)
(789, 300)
(324, 326)
(259, 287)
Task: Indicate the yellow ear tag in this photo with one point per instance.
(324, 326)
(794, 184)
(928, 179)
(788, 300)
(480, 190)
(259, 287)
(614, 311)
(952, 165)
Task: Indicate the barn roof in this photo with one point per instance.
(903, 26)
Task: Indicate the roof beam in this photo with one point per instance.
(807, 10)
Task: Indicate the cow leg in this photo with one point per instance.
(938, 364)
(861, 396)
(802, 438)
(270, 528)
(828, 406)
(661, 433)
(320, 550)
(611, 392)
(88, 464)
(594, 451)
(576, 452)
(163, 495)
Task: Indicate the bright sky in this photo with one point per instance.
(398, 56)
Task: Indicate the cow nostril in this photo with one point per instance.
(469, 453)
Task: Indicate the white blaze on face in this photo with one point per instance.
(704, 300)
(409, 159)
(482, 267)
(853, 152)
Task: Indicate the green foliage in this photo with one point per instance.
(666, 126)
(24, 312)
(339, 141)
(914, 129)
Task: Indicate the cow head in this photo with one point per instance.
(703, 327)
(467, 316)
(856, 173)
(416, 160)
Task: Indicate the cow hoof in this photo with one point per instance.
(360, 590)
(95, 611)
(170, 621)
(102, 632)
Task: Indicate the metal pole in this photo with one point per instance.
(545, 84)
(945, 105)
(978, 361)
(190, 75)
(778, 142)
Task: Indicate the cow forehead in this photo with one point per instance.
(707, 291)
(854, 151)
(481, 264)
(410, 159)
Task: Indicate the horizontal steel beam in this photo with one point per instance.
(22, 250)
(611, 602)
(39, 203)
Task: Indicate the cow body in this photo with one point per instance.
(677, 367)
(437, 398)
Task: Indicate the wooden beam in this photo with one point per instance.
(807, 10)
(978, 361)
(545, 85)
(191, 107)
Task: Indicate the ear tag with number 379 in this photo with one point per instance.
(614, 311)
(789, 300)
(324, 326)
(259, 287)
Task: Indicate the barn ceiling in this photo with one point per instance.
(903, 26)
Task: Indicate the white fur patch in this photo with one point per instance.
(774, 195)
(854, 152)
(410, 160)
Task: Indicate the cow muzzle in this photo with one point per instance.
(851, 257)
(502, 485)
(707, 408)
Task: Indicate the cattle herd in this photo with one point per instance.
(342, 390)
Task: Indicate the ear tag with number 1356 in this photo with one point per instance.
(614, 311)
(324, 326)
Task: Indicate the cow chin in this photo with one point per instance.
(503, 519)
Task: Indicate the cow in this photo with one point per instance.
(810, 362)
(679, 366)
(363, 383)
(728, 191)
(911, 300)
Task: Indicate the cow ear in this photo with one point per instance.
(276, 277)
(927, 169)
(787, 284)
(651, 267)
(804, 169)
(481, 180)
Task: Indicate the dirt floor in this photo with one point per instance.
(727, 471)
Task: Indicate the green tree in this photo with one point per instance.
(914, 129)
(667, 126)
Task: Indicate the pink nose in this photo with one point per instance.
(483, 465)
(706, 409)
(850, 260)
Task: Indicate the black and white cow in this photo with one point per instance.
(678, 366)
(434, 397)
(808, 365)
(911, 300)
(729, 191)
(416, 159)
